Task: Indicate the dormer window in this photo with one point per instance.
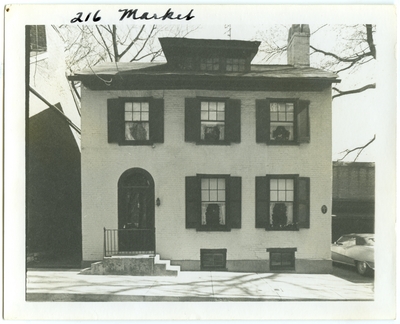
(209, 64)
(235, 65)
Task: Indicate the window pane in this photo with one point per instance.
(136, 116)
(289, 116)
(275, 259)
(128, 116)
(281, 131)
(145, 106)
(281, 107)
(221, 116)
(205, 195)
(289, 196)
(282, 184)
(281, 196)
(289, 184)
(213, 106)
(221, 106)
(273, 184)
(289, 107)
(145, 116)
(204, 183)
(137, 131)
(274, 116)
(136, 106)
(274, 196)
(213, 195)
(221, 183)
(128, 106)
(204, 105)
(213, 183)
(213, 115)
(286, 259)
(221, 195)
(204, 115)
(273, 107)
(282, 116)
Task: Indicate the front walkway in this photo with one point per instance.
(193, 286)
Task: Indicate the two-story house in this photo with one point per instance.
(209, 160)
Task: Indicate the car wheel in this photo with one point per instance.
(361, 267)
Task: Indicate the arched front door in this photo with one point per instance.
(136, 211)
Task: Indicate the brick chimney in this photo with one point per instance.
(298, 51)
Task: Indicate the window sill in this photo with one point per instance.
(288, 143)
(287, 228)
(213, 143)
(213, 229)
(136, 143)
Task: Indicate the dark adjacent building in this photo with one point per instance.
(353, 200)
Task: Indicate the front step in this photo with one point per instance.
(134, 265)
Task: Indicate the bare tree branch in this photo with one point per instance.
(114, 42)
(360, 148)
(144, 44)
(134, 41)
(105, 44)
(343, 93)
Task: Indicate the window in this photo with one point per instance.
(213, 195)
(209, 64)
(135, 121)
(213, 259)
(213, 202)
(281, 258)
(212, 121)
(282, 202)
(37, 39)
(235, 65)
(282, 121)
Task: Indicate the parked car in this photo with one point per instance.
(355, 250)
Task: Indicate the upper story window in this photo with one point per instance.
(135, 121)
(213, 202)
(235, 65)
(212, 121)
(38, 42)
(282, 121)
(282, 202)
(209, 64)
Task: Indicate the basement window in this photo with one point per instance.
(281, 258)
(213, 259)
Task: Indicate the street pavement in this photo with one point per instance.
(196, 286)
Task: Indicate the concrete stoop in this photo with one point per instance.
(133, 265)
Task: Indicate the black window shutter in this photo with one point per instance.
(235, 203)
(303, 202)
(156, 120)
(192, 120)
(262, 120)
(262, 202)
(232, 121)
(193, 203)
(303, 122)
(115, 120)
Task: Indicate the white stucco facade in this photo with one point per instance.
(170, 162)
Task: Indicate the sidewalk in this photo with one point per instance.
(194, 286)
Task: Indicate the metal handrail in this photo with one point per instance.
(129, 241)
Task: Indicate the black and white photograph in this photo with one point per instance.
(199, 162)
